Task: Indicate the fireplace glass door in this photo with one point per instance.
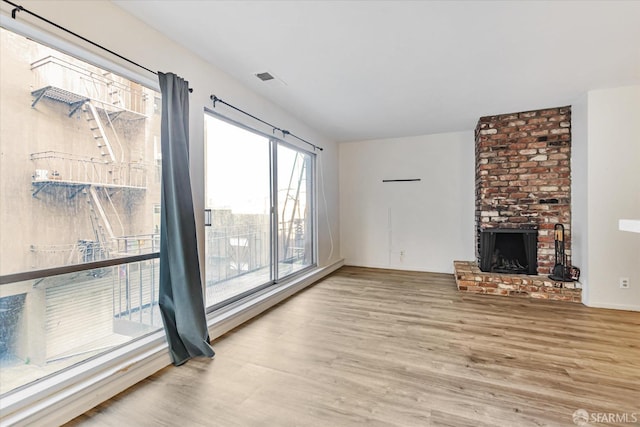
(508, 251)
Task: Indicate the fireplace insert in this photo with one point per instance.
(509, 250)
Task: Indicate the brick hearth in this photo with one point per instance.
(469, 278)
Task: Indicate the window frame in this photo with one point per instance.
(275, 281)
(54, 41)
(313, 215)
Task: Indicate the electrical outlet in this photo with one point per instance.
(624, 282)
(402, 253)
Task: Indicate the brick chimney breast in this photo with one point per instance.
(523, 176)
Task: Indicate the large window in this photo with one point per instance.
(259, 199)
(78, 188)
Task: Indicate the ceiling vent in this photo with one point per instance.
(265, 76)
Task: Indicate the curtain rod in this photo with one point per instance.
(17, 8)
(284, 132)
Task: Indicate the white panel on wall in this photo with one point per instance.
(421, 225)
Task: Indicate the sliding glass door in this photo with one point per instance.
(295, 208)
(259, 211)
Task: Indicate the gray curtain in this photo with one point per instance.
(180, 297)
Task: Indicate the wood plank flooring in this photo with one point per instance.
(392, 348)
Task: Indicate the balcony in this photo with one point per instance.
(65, 81)
(70, 170)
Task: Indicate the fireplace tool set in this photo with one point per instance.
(562, 270)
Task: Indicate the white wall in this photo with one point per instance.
(422, 226)
(579, 192)
(108, 25)
(613, 193)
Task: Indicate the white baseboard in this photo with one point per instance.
(627, 307)
(398, 267)
(63, 397)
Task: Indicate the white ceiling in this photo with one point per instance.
(358, 70)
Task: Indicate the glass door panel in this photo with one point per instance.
(295, 243)
(238, 195)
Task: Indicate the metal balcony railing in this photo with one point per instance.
(237, 250)
(57, 167)
(74, 313)
(83, 251)
(138, 244)
(234, 251)
(47, 256)
(113, 93)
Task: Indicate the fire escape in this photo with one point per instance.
(100, 99)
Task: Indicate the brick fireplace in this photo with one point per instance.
(523, 176)
(523, 187)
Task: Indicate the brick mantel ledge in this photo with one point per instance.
(469, 278)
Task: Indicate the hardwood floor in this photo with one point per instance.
(393, 348)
